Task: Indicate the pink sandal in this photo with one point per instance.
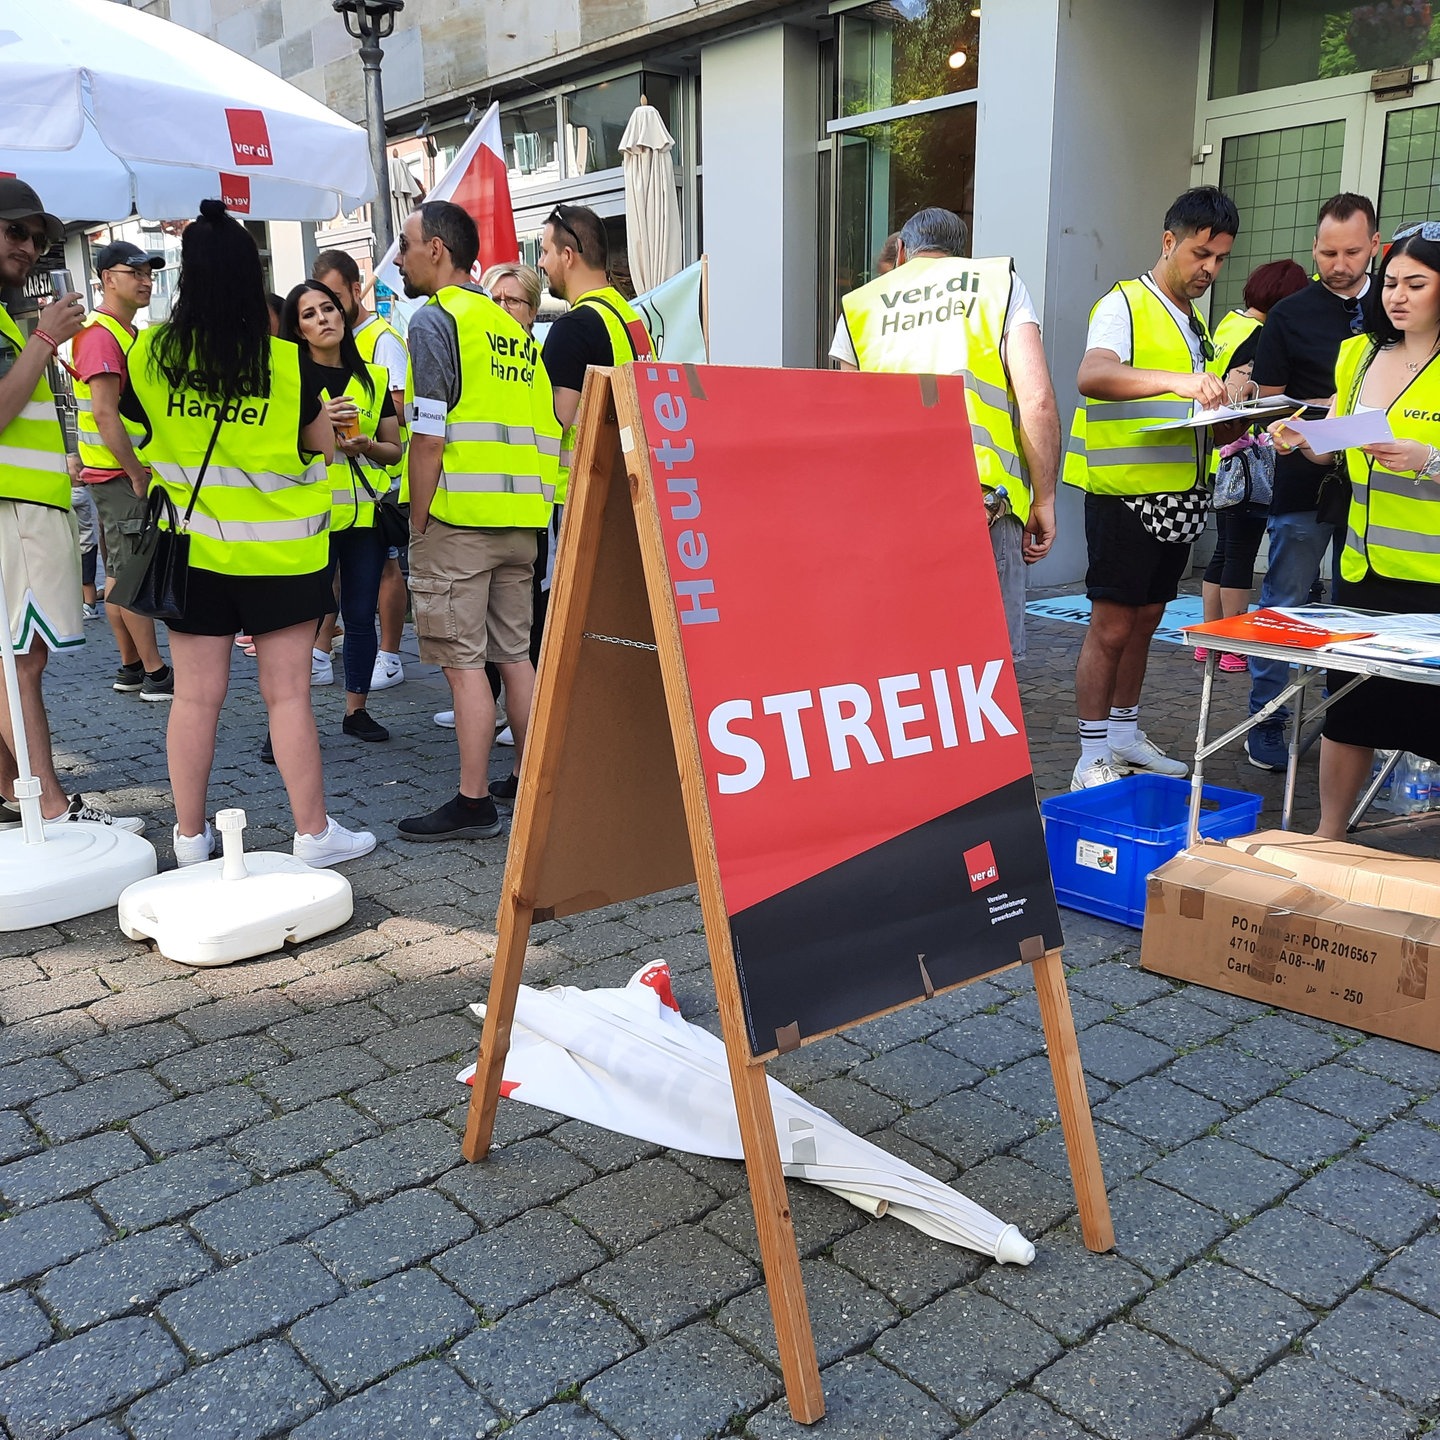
(246, 644)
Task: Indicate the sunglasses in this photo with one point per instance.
(557, 218)
(145, 272)
(1425, 229)
(1355, 315)
(19, 233)
(1207, 346)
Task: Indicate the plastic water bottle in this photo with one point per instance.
(1385, 796)
(1412, 786)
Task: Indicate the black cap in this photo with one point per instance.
(122, 252)
(19, 202)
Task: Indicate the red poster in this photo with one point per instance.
(858, 714)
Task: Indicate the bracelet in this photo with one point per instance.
(49, 339)
(1431, 468)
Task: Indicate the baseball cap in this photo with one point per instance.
(19, 202)
(122, 252)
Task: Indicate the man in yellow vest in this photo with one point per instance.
(484, 447)
(39, 549)
(1146, 357)
(939, 314)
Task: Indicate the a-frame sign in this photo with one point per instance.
(776, 664)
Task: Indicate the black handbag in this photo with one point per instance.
(1332, 504)
(391, 523)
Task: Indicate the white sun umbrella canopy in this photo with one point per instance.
(628, 1061)
(652, 211)
(107, 112)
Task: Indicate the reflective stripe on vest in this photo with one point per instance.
(94, 453)
(629, 340)
(1393, 528)
(1110, 452)
(352, 507)
(32, 445)
(261, 510)
(494, 471)
(366, 340)
(946, 316)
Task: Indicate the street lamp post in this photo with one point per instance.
(370, 22)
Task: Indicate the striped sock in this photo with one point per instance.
(1124, 722)
(1094, 741)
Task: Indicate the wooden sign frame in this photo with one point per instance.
(613, 806)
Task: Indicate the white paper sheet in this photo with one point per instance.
(1345, 432)
(1265, 408)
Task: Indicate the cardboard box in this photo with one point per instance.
(1255, 925)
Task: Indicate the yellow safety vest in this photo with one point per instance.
(94, 453)
(1110, 451)
(32, 445)
(261, 510)
(1234, 329)
(946, 316)
(365, 341)
(629, 340)
(502, 441)
(352, 507)
(1393, 528)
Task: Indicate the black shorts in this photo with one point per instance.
(218, 604)
(1128, 565)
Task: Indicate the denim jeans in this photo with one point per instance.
(1297, 546)
(359, 557)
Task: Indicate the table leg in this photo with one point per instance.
(1297, 731)
(1202, 730)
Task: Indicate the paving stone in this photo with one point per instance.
(916, 1074)
(23, 1327)
(863, 1401)
(511, 1181)
(819, 1219)
(1166, 1115)
(199, 1119)
(1406, 1065)
(320, 1076)
(45, 1036)
(936, 1348)
(1176, 1021)
(1228, 1319)
(144, 1045)
(97, 1104)
(1384, 1343)
(602, 1150)
(907, 1267)
(1301, 1255)
(1294, 1134)
(967, 1128)
(30, 1079)
(301, 1137)
(1427, 1111)
(1284, 1041)
(343, 1025)
(727, 1177)
(266, 1215)
(425, 1090)
(857, 1107)
(1030, 1088)
(434, 995)
(254, 1393)
(889, 1032)
(1066, 1288)
(1224, 1074)
(17, 1136)
(153, 1002)
(125, 1275)
(1084, 1010)
(35, 1240)
(690, 1383)
(1118, 1055)
(220, 1063)
(1341, 1089)
(68, 1169)
(513, 1121)
(1127, 1385)
(428, 1400)
(1024, 1417)
(1236, 1007)
(246, 1301)
(380, 1239)
(434, 1039)
(1371, 1202)
(623, 1209)
(1032, 1199)
(1402, 1146)
(171, 1188)
(408, 1155)
(821, 1060)
(364, 1336)
(1119, 983)
(46, 997)
(916, 1154)
(61, 1387)
(239, 1015)
(1415, 1273)
(990, 1041)
(532, 1354)
(1299, 1399)
(97, 1430)
(1225, 1176)
(1122, 1154)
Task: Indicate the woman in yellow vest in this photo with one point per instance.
(367, 441)
(212, 381)
(1391, 560)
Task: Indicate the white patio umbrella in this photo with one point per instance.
(652, 211)
(627, 1060)
(108, 112)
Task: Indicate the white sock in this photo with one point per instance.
(323, 831)
(320, 654)
(389, 655)
(1094, 741)
(1124, 723)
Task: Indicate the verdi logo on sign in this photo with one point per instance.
(249, 137)
(981, 867)
(235, 192)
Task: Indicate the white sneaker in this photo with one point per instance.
(1144, 756)
(333, 845)
(192, 849)
(1097, 772)
(388, 671)
(322, 671)
(82, 809)
(445, 718)
(505, 737)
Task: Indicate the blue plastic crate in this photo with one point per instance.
(1104, 842)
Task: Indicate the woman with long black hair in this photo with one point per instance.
(356, 397)
(217, 394)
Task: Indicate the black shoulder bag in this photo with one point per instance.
(390, 521)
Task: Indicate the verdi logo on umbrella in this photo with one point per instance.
(249, 137)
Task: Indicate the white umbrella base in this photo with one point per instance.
(197, 917)
(79, 868)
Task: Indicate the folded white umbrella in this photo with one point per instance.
(652, 209)
(628, 1061)
(107, 111)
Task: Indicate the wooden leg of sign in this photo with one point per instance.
(1075, 1118)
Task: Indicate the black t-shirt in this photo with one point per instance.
(576, 340)
(1299, 343)
(1244, 352)
(332, 380)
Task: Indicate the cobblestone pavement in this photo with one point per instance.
(235, 1206)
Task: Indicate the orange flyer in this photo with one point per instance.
(1271, 628)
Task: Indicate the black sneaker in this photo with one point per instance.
(267, 751)
(159, 686)
(129, 678)
(505, 789)
(359, 724)
(457, 819)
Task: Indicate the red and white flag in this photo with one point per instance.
(477, 181)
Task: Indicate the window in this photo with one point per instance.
(529, 135)
(895, 52)
(596, 116)
(1410, 169)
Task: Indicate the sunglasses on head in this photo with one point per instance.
(1207, 347)
(1425, 229)
(557, 218)
(17, 232)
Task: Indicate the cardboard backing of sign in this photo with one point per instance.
(1254, 927)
